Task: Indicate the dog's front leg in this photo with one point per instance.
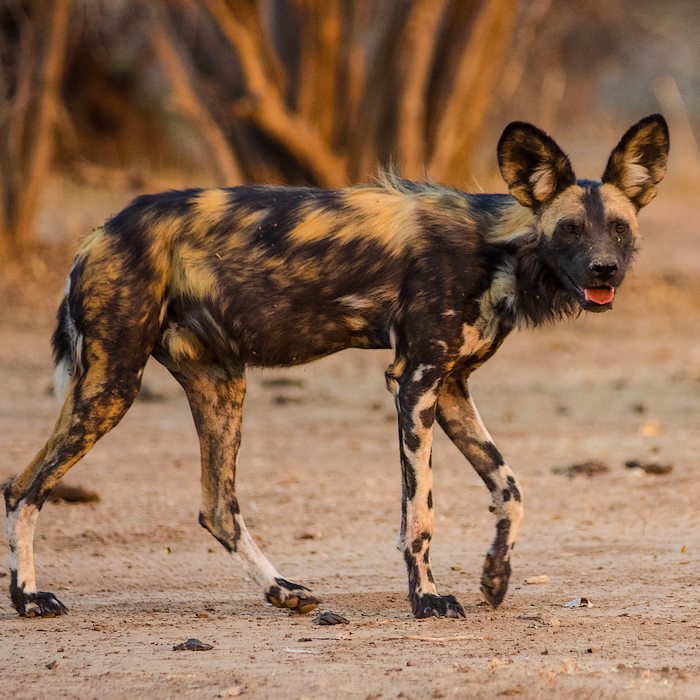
(458, 417)
(415, 388)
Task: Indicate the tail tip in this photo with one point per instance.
(61, 379)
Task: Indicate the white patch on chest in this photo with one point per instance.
(472, 341)
(500, 296)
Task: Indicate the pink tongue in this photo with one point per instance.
(599, 296)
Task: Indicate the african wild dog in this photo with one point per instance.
(211, 280)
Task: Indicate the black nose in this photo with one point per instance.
(604, 267)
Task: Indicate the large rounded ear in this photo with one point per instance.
(534, 167)
(638, 163)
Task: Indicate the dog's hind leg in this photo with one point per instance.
(216, 399)
(95, 403)
(458, 417)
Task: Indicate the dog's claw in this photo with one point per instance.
(42, 604)
(429, 605)
(291, 596)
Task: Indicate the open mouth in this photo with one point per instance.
(600, 296)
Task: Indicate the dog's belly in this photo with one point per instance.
(297, 336)
(273, 332)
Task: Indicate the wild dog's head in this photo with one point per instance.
(587, 230)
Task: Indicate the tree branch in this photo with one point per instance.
(267, 109)
(185, 100)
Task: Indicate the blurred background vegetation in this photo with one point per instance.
(103, 99)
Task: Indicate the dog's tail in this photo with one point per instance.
(67, 346)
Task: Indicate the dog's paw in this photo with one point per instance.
(291, 596)
(429, 605)
(494, 580)
(41, 604)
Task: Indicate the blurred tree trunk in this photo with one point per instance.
(320, 64)
(410, 83)
(32, 100)
(417, 56)
(266, 107)
(185, 100)
(319, 92)
(476, 77)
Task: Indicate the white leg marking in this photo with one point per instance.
(21, 523)
(254, 561)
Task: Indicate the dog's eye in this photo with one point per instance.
(620, 227)
(572, 228)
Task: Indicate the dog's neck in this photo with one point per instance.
(539, 296)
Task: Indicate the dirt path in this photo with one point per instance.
(319, 484)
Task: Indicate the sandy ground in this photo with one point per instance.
(319, 485)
